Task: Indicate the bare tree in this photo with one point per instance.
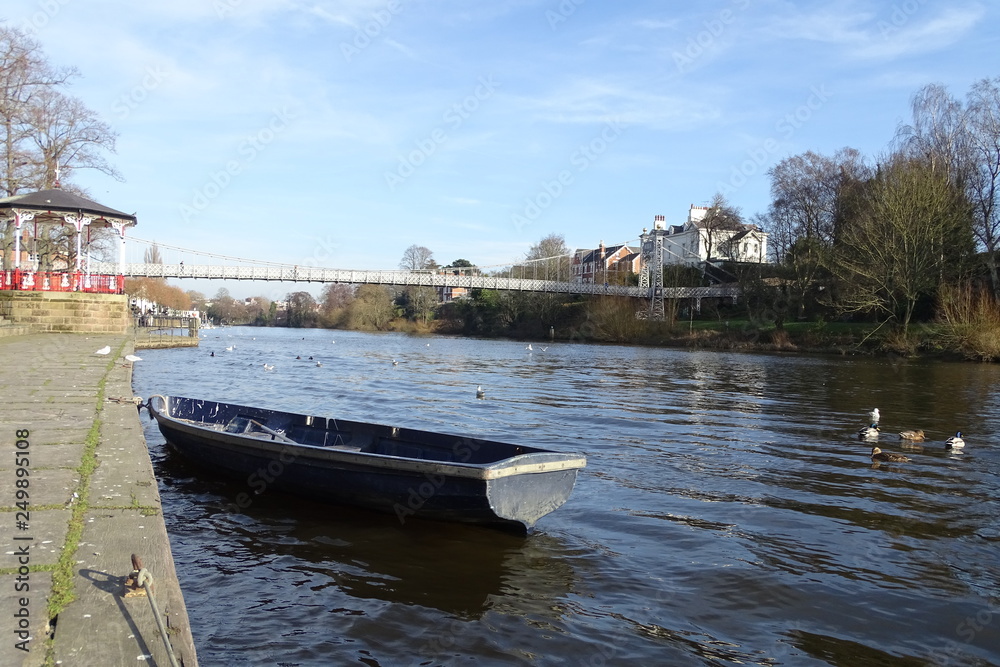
(152, 255)
(913, 235)
(416, 258)
(720, 222)
(25, 74)
(937, 132)
(549, 259)
(984, 173)
(68, 136)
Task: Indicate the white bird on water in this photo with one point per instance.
(395, 363)
(874, 415)
(479, 391)
(268, 367)
(104, 350)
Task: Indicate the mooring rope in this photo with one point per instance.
(144, 579)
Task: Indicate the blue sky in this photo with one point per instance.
(339, 133)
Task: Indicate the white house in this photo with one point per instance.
(697, 241)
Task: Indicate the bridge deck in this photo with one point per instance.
(400, 278)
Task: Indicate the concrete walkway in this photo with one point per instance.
(70, 552)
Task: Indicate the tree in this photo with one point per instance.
(416, 258)
(418, 302)
(334, 300)
(41, 128)
(225, 309)
(912, 236)
(549, 259)
(371, 309)
(335, 296)
(984, 172)
(301, 310)
(937, 133)
(720, 222)
(152, 255)
(24, 73)
(44, 134)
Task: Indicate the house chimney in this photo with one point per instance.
(660, 222)
(601, 248)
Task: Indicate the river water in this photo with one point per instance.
(728, 513)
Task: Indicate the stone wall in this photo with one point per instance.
(67, 312)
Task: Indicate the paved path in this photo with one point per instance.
(80, 462)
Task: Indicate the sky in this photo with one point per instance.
(338, 134)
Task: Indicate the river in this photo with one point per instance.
(728, 513)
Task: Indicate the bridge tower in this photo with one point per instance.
(651, 278)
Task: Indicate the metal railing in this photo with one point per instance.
(286, 273)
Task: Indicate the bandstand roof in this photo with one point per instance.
(58, 202)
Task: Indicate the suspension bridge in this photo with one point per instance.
(549, 274)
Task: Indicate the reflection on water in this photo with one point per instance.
(727, 514)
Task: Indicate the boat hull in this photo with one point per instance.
(441, 477)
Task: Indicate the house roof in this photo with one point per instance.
(593, 255)
(59, 201)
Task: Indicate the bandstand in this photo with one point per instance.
(68, 297)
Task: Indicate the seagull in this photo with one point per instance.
(268, 367)
(955, 441)
(528, 348)
(230, 348)
(132, 358)
(104, 350)
(869, 432)
(887, 457)
(874, 415)
(545, 349)
(916, 436)
(395, 363)
(319, 364)
(479, 392)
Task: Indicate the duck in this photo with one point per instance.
(887, 457)
(874, 415)
(915, 436)
(869, 432)
(955, 441)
